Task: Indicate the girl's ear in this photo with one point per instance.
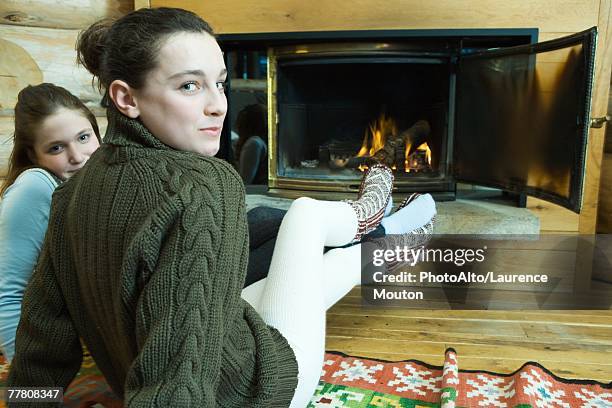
(123, 97)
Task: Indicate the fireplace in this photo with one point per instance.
(341, 108)
(488, 107)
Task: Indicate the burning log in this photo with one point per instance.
(415, 136)
(403, 144)
(386, 154)
(402, 151)
(356, 162)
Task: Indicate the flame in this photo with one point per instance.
(374, 140)
(407, 158)
(364, 146)
(407, 162)
(427, 150)
(376, 133)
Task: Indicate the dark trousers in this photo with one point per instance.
(264, 223)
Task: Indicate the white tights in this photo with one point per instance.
(303, 282)
(293, 298)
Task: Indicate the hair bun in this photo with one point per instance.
(91, 44)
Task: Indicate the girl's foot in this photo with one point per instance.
(415, 211)
(410, 226)
(407, 201)
(373, 198)
(411, 240)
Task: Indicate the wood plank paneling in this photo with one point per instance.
(292, 15)
(7, 126)
(528, 350)
(138, 4)
(55, 55)
(601, 88)
(352, 304)
(15, 72)
(604, 222)
(595, 372)
(569, 343)
(547, 36)
(62, 14)
(604, 209)
(608, 144)
(363, 341)
(553, 218)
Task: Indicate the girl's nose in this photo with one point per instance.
(216, 104)
(75, 156)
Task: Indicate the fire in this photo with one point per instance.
(411, 160)
(425, 147)
(383, 130)
(377, 133)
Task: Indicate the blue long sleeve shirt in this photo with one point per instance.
(24, 215)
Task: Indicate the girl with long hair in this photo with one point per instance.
(55, 134)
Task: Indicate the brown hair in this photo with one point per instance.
(127, 48)
(34, 105)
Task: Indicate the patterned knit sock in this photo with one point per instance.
(408, 200)
(405, 202)
(414, 239)
(388, 208)
(374, 196)
(410, 226)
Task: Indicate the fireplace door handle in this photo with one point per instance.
(599, 122)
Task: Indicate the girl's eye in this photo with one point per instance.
(55, 149)
(190, 86)
(84, 138)
(221, 85)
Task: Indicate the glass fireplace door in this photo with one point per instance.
(522, 118)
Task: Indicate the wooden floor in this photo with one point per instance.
(572, 344)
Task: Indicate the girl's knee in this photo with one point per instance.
(303, 204)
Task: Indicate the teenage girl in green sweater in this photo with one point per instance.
(147, 246)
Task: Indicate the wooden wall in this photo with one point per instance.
(554, 18)
(604, 211)
(37, 44)
(243, 16)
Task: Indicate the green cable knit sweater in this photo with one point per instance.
(144, 259)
